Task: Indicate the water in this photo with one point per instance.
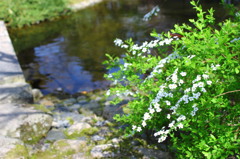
(66, 55)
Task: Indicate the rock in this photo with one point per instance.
(68, 145)
(37, 94)
(97, 138)
(111, 110)
(23, 123)
(54, 135)
(74, 107)
(70, 101)
(79, 156)
(101, 151)
(78, 127)
(153, 153)
(60, 124)
(69, 115)
(16, 93)
(12, 148)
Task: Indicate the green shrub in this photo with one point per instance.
(25, 12)
(191, 95)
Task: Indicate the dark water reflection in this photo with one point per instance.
(67, 54)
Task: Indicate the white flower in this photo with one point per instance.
(183, 73)
(161, 139)
(168, 116)
(172, 86)
(181, 81)
(147, 116)
(134, 127)
(151, 110)
(158, 110)
(144, 123)
(187, 90)
(108, 92)
(124, 46)
(144, 50)
(180, 126)
(171, 124)
(182, 117)
(161, 43)
(174, 78)
(139, 129)
(209, 82)
(203, 90)
(200, 84)
(205, 76)
(167, 102)
(156, 106)
(118, 42)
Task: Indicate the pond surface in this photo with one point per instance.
(66, 55)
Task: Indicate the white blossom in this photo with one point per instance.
(147, 116)
(205, 76)
(180, 125)
(139, 129)
(134, 127)
(168, 116)
(171, 124)
(209, 82)
(144, 123)
(118, 42)
(168, 102)
(172, 86)
(183, 73)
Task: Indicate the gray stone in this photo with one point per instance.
(70, 101)
(74, 107)
(13, 87)
(79, 156)
(16, 93)
(153, 153)
(97, 138)
(60, 124)
(68, 115)
(23, 123)
(68, 144)
(37, 94)
(10, 144)
(101, 151)
(54, 135)
(78, 127)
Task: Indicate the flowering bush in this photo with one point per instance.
(184, 85)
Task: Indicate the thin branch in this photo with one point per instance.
(227, 93)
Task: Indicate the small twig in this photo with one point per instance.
(227, 93)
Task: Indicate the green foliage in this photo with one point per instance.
(190, 95)
(26, 12)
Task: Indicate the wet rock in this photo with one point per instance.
(16, 93)
(65, 145)
(23, 123)
(60, 124)
(97, 138)
(78, 127)
(101, 151)
(70, 101)
(79, 156)
(153, 153)
(102, 123)
(74, 107)
(54, 135)
(37, 94)
(9, 147)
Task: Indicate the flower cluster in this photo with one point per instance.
(154, 11)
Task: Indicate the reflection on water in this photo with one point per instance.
(67, 54)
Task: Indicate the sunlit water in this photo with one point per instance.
(66, 55)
